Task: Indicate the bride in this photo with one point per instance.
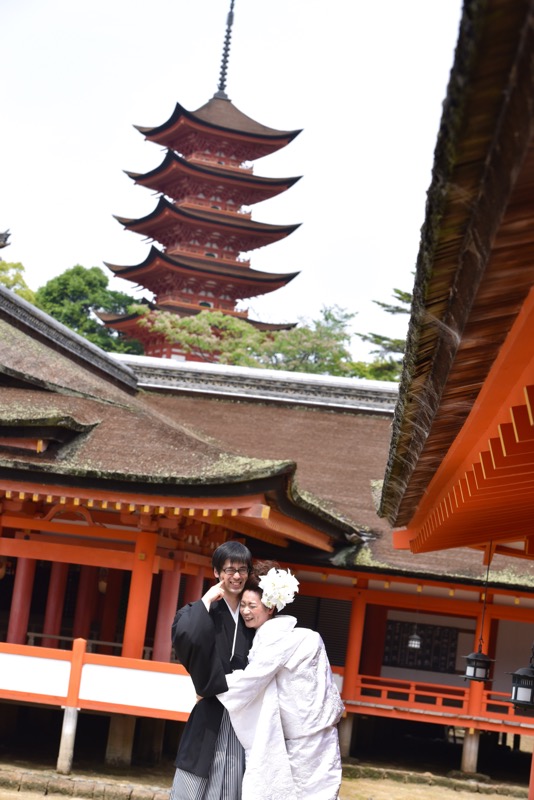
(284, 706)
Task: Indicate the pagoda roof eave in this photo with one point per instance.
(175, 307)
(220, 115)
(173, 160)
(209, 218)
(199, 265)
(109, 318)
(112, 320)
(271, 326)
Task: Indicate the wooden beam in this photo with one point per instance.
(67, 554)
(123, 500)
(67, 528)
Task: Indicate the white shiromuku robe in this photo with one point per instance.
(284, 707)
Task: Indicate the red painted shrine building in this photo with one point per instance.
(118, 477)
(202, 220)
(117, 480)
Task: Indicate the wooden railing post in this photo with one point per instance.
(70, 710)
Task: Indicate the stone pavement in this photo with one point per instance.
(101, 787)
(98, 786)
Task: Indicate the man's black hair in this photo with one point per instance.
(234, 551)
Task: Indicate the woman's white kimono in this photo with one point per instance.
(284, 708)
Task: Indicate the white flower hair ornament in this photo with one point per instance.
(279, 587)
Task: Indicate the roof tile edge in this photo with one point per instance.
(23, 314)
(249, 383)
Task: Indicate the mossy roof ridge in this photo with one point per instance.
(364, 556)
(325, 509)
(129, 442)
(28, 360)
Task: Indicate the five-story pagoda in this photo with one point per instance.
(201, 220)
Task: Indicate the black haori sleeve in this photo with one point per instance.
(195, 641)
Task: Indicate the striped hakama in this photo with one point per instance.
(225, 775)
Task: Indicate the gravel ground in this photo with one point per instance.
(353, 789)
(21, 780)
(372, 789)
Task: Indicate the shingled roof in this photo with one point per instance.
(461, 461)
(68, 414)
(336, 430)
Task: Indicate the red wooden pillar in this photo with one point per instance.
(193, 586)
(531, 781)
(54, 604)
(168, 600)
(476, 688)
(476, 693)
(139, 597)
(110, 613)
(21, 601)
(352, 669)
(85, 602)
(354, 646)
(374, 636)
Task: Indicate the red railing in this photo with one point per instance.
(462, 706)
(82, 679)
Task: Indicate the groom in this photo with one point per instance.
(210, 759)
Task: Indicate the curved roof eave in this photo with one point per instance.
(244, 225)
(247, 273)
(231, 120)
(481, 148)
(232, 175)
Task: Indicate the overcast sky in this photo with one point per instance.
(364, 80)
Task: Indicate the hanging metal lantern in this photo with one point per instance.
(414, 641)
(523, 685)
(478, 666)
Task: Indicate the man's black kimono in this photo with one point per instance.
(193, 631)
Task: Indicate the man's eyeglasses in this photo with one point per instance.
(232, 571)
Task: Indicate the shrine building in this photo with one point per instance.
(119, 475)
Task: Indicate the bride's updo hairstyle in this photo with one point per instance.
(275, 587)
(259, 568)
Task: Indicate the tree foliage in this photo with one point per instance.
(12, 277)
(388, 351)
(320, 346)
(75, 296)
(379, 369)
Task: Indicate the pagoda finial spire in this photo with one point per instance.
(221, 93)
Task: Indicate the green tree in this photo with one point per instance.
(388, 351)
(12, 277)
(210, 335)
(379, 369)
(75, 296)
(320, 346)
